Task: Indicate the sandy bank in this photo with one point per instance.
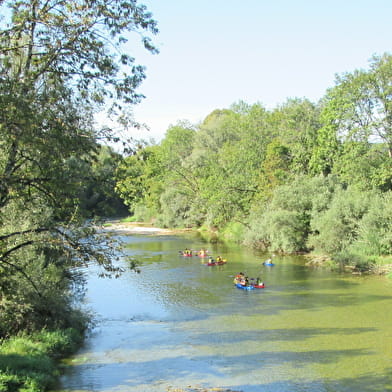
(118, 227)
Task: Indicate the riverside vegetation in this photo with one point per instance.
(303, 177)
(61, 62)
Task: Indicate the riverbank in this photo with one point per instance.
(381, 267)
(119, 227)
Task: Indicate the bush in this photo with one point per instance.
(346, 258)
(27, 363)
(375, 229)
(9, 382)
(175, 209)
(284, 223)
(337, 228)
(356, 229)
(142, 213)
(60, 342)
(234, 232)
(46, 300)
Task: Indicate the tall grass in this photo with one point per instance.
(29, 363)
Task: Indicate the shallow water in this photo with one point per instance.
(180, 323)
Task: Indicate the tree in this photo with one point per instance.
(275, 167)
(97, 188)
(357, 110)
(296, 123)
(179, 182)
(365, 165)
(367, 103)
(228, 150)
(60, 62)
(138, 179)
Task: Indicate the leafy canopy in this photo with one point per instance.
(60, 62)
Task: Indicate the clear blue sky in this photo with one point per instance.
(216, 52)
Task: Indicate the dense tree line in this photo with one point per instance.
(301, 177)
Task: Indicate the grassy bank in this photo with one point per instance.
(375, 265)
(30, 363)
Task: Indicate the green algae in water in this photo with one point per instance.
(181, 323)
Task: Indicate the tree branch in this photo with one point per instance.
(17, 268)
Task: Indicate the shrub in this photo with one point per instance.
(375, 229)
(27, 363)
(284, 223)
(234, 232)
(336, 229)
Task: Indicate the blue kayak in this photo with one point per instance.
(250, 287)
(270, 264)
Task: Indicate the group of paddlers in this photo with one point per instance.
(244, 280)
(239, 279)
(190, 252)
(203, 253)
(219, 260)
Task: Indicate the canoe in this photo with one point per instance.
(182, 253)
(215, 263)
(250, 287)
(203, 253)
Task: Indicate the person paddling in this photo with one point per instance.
(238, 278)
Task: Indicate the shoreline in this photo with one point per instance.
(141, 228)
(314, 260)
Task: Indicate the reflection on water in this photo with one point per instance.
(181, 323)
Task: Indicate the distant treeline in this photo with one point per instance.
(302, 177)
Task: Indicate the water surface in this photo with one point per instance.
(180, 323)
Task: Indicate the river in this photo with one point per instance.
(179, 323)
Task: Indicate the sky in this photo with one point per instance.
(214, 53)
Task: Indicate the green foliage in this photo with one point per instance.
(375, 229)
(337, 228)
(284, 223)
(137, 179)
(97, 188)
(326, 149)
(296, 178)
(27, 363)
(296, 123)
(176, 210)
(60, 63)
(283, 231)
(234, 232)
(226, 157)
(177, 145)
(357, 111)
(359, 164)
(275, 167)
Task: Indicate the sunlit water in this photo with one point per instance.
(180, 323)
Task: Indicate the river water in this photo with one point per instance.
(179, 323)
